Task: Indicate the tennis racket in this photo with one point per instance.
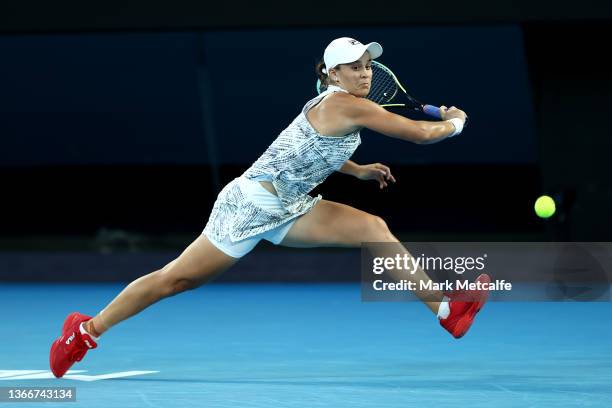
(385, 87)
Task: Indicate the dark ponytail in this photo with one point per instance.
(323, 77)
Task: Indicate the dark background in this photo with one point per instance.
(120, 123)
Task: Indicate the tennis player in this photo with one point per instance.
(270, 201)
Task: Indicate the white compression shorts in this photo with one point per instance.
(265, 199)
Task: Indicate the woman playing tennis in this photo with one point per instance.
(270, 201)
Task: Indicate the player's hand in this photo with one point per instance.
(376, 171)
(452, 112)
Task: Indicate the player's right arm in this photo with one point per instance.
(361, 112)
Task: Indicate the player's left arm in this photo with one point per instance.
(375, 171)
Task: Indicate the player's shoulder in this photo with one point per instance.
(339, 97)
(346, 102)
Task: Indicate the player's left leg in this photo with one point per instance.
(334, 224)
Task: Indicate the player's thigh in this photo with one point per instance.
(200, 262)
(334, 224)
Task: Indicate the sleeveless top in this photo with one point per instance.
(295, 163)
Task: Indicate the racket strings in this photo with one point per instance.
(383, 87)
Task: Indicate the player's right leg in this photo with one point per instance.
(198, 264)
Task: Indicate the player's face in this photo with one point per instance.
(356, 77)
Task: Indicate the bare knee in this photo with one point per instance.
(377, 230)
(171, 282)
(171, 286)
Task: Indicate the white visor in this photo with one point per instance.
(346, 50)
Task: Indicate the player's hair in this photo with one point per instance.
(323, 77)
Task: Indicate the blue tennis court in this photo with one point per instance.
(127, 136)
(310, 345)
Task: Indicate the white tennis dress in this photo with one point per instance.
(295, 163)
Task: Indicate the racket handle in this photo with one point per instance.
(432, 111)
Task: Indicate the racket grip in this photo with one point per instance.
(432, 111)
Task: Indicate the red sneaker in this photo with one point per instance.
(463, 308)
(71, 346)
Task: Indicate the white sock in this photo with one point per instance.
(444, 309)
(83, 331)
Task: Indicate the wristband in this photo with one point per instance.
(458, 124)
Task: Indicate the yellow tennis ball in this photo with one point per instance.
(544, 206)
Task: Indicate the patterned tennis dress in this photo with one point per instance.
(295, 163)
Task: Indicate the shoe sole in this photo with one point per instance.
(466, 321)
(51, 354)
(484, 278)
